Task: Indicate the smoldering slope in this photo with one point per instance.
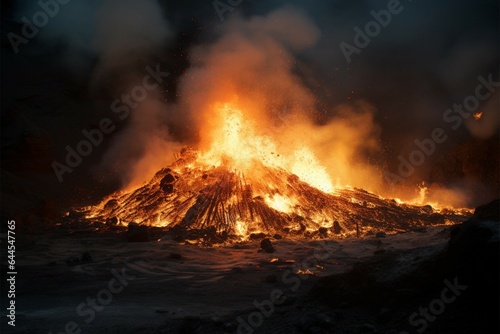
(283, 63)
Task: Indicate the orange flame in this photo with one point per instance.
(236, 145)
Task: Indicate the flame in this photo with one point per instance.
(477, 115)
(280, 203)
(240, 228)
(242, 181)
(237, 145)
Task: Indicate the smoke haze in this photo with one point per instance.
(281, 63)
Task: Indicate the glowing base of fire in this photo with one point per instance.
(218, 200)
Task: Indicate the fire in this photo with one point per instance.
(243, 181)
(241, 228)
(237, 146)
(477, 115)
(280, 203)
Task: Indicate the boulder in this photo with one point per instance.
(167, 183)
(137, 233)
(113, 221)
(267, 245)
(490, 211)
(336, 227)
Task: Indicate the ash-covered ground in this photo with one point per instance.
(440, 279)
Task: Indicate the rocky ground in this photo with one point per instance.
(442, 279)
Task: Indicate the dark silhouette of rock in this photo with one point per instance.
(267, 246)
(323, 232)
(167, 183)
(137, 233)
(490, 211)
(336, 227)
(113, 221)
(167, 188)
(380, 235)
(111, 204)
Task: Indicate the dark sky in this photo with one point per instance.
(425, 60)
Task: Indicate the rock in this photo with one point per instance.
(112, 221)
(473, 252)
(427, 209)
(111, 204)
(380, 235)
(323, 232)
(137, 233)
(490, 211)
(336, 227)
(267, 245)
(168, 188)
(167, 183)
(132, 225)
(169, 178)
(277, 236)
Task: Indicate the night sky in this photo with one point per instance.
(63, 79)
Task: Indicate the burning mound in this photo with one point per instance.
(240, 186)
(189, 197)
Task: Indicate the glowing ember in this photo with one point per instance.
(279, 203)
(477, 115)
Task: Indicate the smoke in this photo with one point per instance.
(283, 67)
(260, 64)
(144, 146)
(126, 44)
(124, 38)
(120, 39)
(253, 64)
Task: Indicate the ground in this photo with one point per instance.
(170, 287)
